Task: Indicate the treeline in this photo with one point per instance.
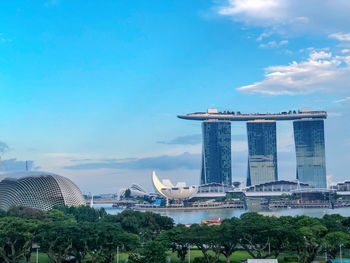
(69, 234)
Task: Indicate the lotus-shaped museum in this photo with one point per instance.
(169, 191)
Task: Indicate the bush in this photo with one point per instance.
(199, 260)
(291, 259)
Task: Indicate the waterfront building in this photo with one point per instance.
(277, 186)
(135, 190)
(216, 152)
(262, 152)
(178, 192)
(213, 190)
(344, 186)
(310, 152)
(262, 160)
(39, 190)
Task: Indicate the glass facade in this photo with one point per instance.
(216, 152)
(262, 152)
(310, 152)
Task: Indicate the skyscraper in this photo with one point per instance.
(310, 152)
(262, 148)
(216, 152)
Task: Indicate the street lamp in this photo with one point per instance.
(341, 259)
(36, 246)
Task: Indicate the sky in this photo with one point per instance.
(91, 89)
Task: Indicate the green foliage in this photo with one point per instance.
(206, 238)
(332, 241)
(83, 213)
(56, 239)
(16, 237)
(335, 223)
(127, 193)
(178, 240)
(57, 215)
(151, 252)
(147, 225)
(86, 235)
(291, 259)
(26, 212)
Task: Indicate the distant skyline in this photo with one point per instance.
(91, 91)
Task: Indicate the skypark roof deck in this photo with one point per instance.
(237, 116)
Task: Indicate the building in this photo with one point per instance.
(39, 190)
(213, 190)
(310, 152)
(135, 191)
(342, 187)
(216, 152)
(277, 186)
(262, 152)
(262, 167)
(180, 192)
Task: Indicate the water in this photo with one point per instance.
(196, 216)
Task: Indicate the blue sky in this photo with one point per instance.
(91, 90)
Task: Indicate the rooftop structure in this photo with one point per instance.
(277, 186)
(238, 116)
(39, 190)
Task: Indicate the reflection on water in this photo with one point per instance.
(190, 217)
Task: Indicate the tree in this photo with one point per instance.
(310, 241)
(255, 234)
(332, 241)
(84, 240)
(206, 238)
(147, 225)
(177, 239)
(26, 212)
(56, 239)
(110, 236)
(335, 223)
(57, 215)
(229, 232)
(83, 213)
(151, 252)
(265, 236)
(127, 193)
(16, 237)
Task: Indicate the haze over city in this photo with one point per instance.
(92, 91)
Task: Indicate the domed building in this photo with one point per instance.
(39, 190)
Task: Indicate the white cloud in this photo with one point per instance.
(344, 51)
(4, 39)
(264, 35)
(342, 100)
(341, 36)
(290, 16)
(320, 72)
(274, 44)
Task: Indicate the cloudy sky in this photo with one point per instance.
(91, 90)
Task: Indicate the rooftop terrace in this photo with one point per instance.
(213, 114)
